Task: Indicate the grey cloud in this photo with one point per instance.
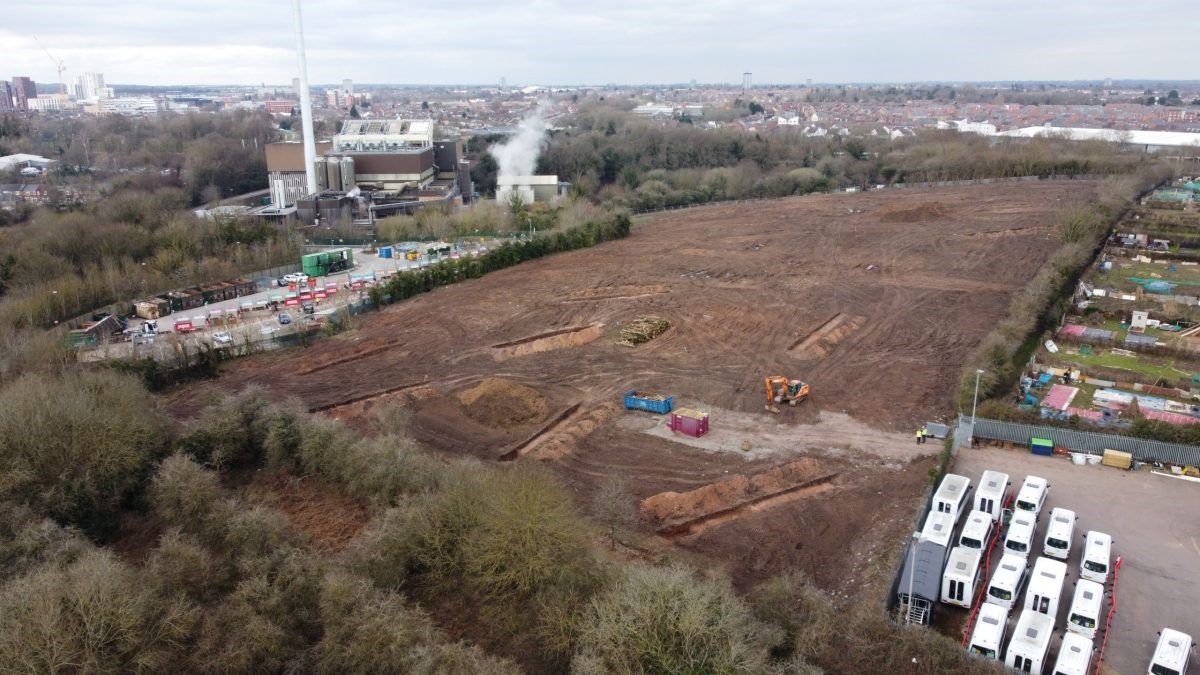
(564, 41)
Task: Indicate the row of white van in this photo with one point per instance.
(1030, 644)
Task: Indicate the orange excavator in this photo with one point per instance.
(784, 390)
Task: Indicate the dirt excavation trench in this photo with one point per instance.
(875, 299)
(676, 515)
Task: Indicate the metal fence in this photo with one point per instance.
(1093, 443)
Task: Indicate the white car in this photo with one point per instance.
(222, 338)
(298, 277)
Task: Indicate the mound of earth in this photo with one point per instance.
(904, 213)
(497, 402)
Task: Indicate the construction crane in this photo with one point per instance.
(781, 389)
(58, 63)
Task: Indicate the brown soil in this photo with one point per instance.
(918, 278)
(912, 213)
(329, 520)
(500, 403)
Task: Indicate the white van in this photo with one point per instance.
(952, 495)
(1097, 549)
(977, 533)
(1085, 608)
(988, 635)
(1008, 580)
(989, 498)
(1074, 655)
(939, 528)
(1030, 642)
(1172, 653)
(1020, 533)
(1032, 495)
(961, 577)
(1059, 533)
(1045, 586)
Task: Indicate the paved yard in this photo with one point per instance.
(1155, 525)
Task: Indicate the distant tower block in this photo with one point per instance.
(503, 82)
(808, 82)
(746, 79)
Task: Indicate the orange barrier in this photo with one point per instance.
(1112, 608)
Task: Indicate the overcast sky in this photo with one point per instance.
(602, 41)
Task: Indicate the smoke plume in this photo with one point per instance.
(518, 156)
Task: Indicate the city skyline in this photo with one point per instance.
(711, 41)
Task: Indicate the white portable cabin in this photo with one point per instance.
(989, 498)
(939, 528)
(1032, 495)
(1084, 615)
(1008, 580)
(988, 635)
(961, 577)
(1030, 642)
(1171, 654)
(952, 495)
(1045, 586)
(977, 532)
(1059, 533)
(1020, 533)
(1074, 655)
(1097, 551)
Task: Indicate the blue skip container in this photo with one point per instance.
(655, 403)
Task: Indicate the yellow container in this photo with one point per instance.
(1117, 459)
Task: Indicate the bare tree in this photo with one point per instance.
(613, 506)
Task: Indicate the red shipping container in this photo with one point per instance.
(691, 422)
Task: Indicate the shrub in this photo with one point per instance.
(528, 540)
(665, 620)
(230, 433)
(384, 550)
(94, 616)
(28, 540)
(382, 469)
(184, 494)
(75, 446)
(368, 630)
(799, 610)
(180, 565)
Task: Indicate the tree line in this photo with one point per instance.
(150, 548)
(207, 156)
(617, 159)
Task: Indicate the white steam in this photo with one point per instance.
(518, 156)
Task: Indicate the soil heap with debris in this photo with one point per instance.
(498, 402)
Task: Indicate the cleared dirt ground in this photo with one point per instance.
(874, 298)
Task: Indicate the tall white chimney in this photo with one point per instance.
(310, 144)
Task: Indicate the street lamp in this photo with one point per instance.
(975, 402)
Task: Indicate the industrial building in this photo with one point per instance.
(369, 168)
(530, 188)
